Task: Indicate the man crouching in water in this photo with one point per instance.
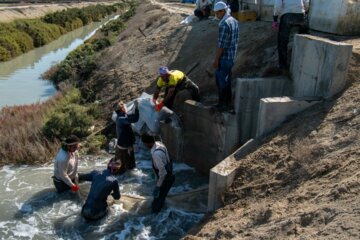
(103, 184)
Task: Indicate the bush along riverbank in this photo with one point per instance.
(20, 36)
(32, 134)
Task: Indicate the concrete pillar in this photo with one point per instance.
(248, 93)
(223, 174)
(335, 16)
(274, 111)
(319, 66)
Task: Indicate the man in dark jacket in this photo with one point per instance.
(125, 136)
(103, 184)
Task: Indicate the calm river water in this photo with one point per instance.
(20, 78)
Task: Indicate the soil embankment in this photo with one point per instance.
(304, 181)
(11, 13)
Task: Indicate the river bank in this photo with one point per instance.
(14, 12)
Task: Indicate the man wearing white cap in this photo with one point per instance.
(228, 38)
(66, 166)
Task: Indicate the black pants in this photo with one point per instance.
(158, 203)
(60, 185)
(287, 22)
(201, 14)
(90, 215)
(187, 84)
(127, 160)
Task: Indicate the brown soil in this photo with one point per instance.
(304, 182)
(10, 13)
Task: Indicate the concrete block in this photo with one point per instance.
(335, 16)
(248, 93)
(209, 136)
(223, 174)
(319, 66)
(274, 111)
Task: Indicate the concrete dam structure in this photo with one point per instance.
(210, 140)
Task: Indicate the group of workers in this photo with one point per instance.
(104, 183)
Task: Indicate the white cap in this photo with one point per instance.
(220, 6)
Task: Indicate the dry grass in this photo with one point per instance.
(303, 150)
(22, 141)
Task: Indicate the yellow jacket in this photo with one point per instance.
(174, 79)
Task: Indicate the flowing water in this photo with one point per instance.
(31, 209)
(20, 78)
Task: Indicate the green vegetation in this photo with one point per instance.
(80, 63)
(21, 36)
(32, 134)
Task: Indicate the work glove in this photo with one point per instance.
(156, 192)
(75, 188)
(275, 26)
(159, 106)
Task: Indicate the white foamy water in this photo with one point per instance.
(31, 209)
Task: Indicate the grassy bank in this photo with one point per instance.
(32, 134)
(21, 36)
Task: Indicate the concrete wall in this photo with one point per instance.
(247, 99)
(319, 66)
(274, 111)
(208, 136)
(223, 174)
(335, 16)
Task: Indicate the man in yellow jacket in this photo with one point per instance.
(173, 81)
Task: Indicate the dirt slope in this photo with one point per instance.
(304, 182)
(130, 65)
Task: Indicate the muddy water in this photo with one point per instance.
(20, 78)
(31, 209)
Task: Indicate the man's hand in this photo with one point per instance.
(159, 106)
(75, 188)
(275, 26)
(136, 104)
(156, 192)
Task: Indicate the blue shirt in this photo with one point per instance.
(103, 184)
(228, 38)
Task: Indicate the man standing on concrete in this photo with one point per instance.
(292, 14)
(163, 169)
(228, 38)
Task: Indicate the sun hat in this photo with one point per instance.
(220, 6)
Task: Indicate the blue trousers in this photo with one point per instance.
(223, 76)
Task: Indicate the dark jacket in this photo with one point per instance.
(124, 133)
(103, 184)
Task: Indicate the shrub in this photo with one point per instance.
(101, 43)
(10, 45)
(4, 54)
(95, 143)
(71, 119)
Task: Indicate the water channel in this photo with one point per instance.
(31, 209)
(20, 78)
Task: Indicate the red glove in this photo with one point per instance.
(159, 106)
(75, 188)
(275, 26)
